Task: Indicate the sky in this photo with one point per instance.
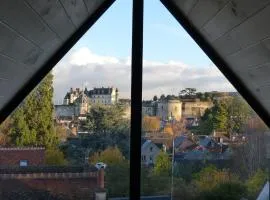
(172, 60)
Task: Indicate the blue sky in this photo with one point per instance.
(172, 60)
(164, 38)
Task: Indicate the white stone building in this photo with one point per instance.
(169, 109)
(106, 96)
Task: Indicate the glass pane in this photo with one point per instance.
(201, 140)
(69, 139)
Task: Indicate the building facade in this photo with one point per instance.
(72, 95)
(194, 108)
(149, 108)
(176, 109)
(106, 96)
(169, 109)
(23, 157)
(149, 152)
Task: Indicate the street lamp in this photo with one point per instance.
(171, 120)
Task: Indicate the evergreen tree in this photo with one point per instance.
(33, 119)
(220, 117)
(20, 132)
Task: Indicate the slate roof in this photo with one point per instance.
(64, 110)
(179, 140)
(101, 91)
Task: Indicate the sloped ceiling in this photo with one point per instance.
(235, 34)
(34, 35)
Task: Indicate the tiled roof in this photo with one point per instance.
(13, 156)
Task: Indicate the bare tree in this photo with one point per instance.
(250, 156)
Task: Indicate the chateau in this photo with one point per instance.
(175, 108)
(77, 102)
(106, 96)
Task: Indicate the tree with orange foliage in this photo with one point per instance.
(175, 128)
(151, 124)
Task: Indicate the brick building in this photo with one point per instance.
(30, 156)
(24, 175)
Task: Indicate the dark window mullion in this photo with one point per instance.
(136, 99)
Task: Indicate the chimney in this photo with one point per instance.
(100, 194)
(100, 178)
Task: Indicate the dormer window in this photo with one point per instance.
(23, 163)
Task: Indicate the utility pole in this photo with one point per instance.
(172, 183)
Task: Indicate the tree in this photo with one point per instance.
(238, 114)
(54, 156)
(103, 118)
(206, 125)
(210, 176)
(224, 191)
(168, 129)
(162, 164)
(21, 135)
(255, 183)
(162, 97)
(220, 117)
(188, 93)
(111, 155)
(5, 128)
(179, 127)
(61, 132)
(155, 98)
(117, 179)
(229, 115)
(151, 124)
(33, 119)
(250, 156)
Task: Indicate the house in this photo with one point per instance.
(49, 182)
(149, 152)
(24, 175)
(220, 136)
(22, 157)
(208, 143)
(183, 143)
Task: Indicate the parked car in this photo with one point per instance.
(100, 165)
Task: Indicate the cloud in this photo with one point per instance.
(82, 67)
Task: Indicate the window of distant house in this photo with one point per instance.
(150, 158)
(151, 149)
(23, 163)
(161, 107)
